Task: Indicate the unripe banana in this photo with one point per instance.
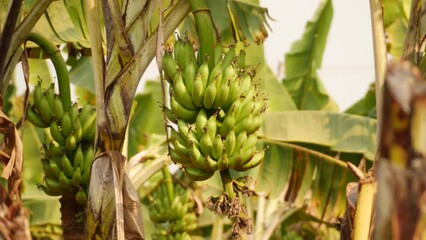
(87, 163)
(183, 113)
(254, 162)
(245, 84)
(198, 91)
(217, 148)
(228, 124)
(71, 142)
(209, 95)
(196, 157)
(76, 177)
(198, 174)
(255, 123)
(204, 71)
(221, 96)
(58, 108)
(181, 94)
(53, 187)
(81, 197)
(87, 124)
(38, 95)
(51, 192)
(56, 134)
(206, 143)
(74, 113)
(77, 130)
(45, 110)
(35, 119)
(242, 125)
(170, 115)
(50, 95)
(65, 182)
(85, 112)
(179, 136)
(229, 74)
(234, 93)
(222, 163)
(55, 151)
(188, 54)
(230, 142)
(78, 157)
(178, 52)
(189, 75)
(181, 159)
(66, 125)
(245, 111)
(200, 122)
(211, 126)
(67, 167)
(169, 66)
(216, 75)
(47, 170)
(181, 149)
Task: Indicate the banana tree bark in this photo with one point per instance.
(112, 199)
(400, 206)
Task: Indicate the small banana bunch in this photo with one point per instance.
(68, 150)
(174, 219)
(217, 112)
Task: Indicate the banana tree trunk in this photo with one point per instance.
(112, 199)
(401, 189)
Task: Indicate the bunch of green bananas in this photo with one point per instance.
(217, 112)
(174, 219)
(68, 150)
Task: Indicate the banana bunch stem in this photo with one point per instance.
(227, 183)
(60, 66)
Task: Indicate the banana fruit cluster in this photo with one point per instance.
(174, 219)
(68, 150)
(217, 112)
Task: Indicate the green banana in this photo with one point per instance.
(206, 143)
(181, 94)
(45, 110)
(218, 52)
(169, 66)
(81, 197)
(223, 162)
(57, 109)
(78, 157)
(71, 142)
(230, 142)
(204, 72)
(216, 75)
(55, 151)
(50, 95)
(198, 91)
(87, 124)
(76, 177)
(38, 95)
(53, 187)
(183, 113)
(211, 126)
(209, 95)
(200, 122)
(189, 75)
(228, 124)
(255, 123)
(217, 147)
(221, 96)
(229, 57)
(254, 162)
(198, 174)
(67, 167)
(56, 133)
(87, 163)
(35, 119)
(66, 125)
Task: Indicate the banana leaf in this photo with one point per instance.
(366, 106)
(303, 61)
(338, 131)
(395, 19)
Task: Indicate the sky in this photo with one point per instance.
(348, 61)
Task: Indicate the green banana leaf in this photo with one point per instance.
(81, 74)
(146, 126)
(304, 59)
(395, 19)
(234, 20)
(366, 106)
(338, 131)
(304, 177)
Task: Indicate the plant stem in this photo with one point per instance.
(60, 66)
(169, 183)
(227, 183)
